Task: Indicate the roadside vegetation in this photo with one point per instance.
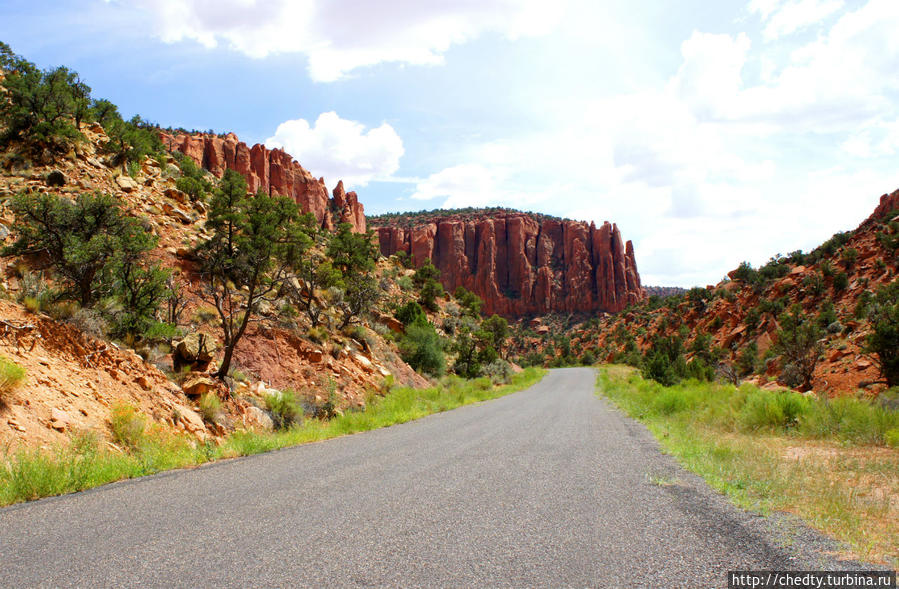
(142, 450)
(833, 462)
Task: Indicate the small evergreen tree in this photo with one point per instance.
(798, 341)
(883, 341)
(256, 244)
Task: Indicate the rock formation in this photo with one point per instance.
(524, 265)
(275, 172)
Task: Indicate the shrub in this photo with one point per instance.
(405, 283)
(318, 334)
(284, 408)
(588, 358)
(840, 281)
(497, 371)
(798, 341)
(410, 313)
(747, 360)
(422, 348)
(883, 341)
(11, 376)
(127, 425)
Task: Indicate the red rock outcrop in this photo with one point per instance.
(524, 265)
(275, 172)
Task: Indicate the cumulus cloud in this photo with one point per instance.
(719, 163)
(339, 149)
(339, 36)
(784, 18)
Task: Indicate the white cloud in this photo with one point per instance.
(736, 156)
(785, 18)
(339, 36)
(339, 149)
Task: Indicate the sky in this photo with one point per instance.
(710, 132)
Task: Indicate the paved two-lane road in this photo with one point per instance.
(548, 487)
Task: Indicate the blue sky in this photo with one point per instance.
(711, 132)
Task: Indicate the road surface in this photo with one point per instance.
(548, 487)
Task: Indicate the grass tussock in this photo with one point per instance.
(142, 450)
(11, 376)
(832, 462)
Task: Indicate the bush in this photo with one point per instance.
(767, 409)
(498, 371)
(285, 409)
(127, 426)
(11, 376)
(422, 349)
(798, 342)
(883, 342)
(410, 313)
(840, 281)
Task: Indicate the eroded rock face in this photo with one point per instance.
(273, 171)
(522, 265)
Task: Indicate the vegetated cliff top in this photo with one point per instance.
(416, 218)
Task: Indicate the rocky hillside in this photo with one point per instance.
(274, 172)
(737, 321)
(75, 374)
(520, 263)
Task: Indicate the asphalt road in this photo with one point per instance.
(549, 487)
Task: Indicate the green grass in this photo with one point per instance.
(830, 462)
(86, 462)
(11, 376)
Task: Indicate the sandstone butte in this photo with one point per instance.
(520, 264)
(275, 172)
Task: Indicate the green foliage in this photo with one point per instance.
(127, 426)
(798, 342)
(430, 291)
(132, 141)
(827, 314)
(410, 314)
(11, 376)
(465, 347)
(354, 256)
(470, 302)
(427, 272)
(496, 332)
(422, 348)
(849, 256)
(96, 250)
(840, 281)
(747, 361)
(664, 360)
(883, 341)
(768, 409)
(284, 408)
(40, 106)
(256, 245)
(314, 273)
(193, 180)
(210, 407)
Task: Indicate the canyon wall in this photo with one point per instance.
(275, 172)
(523, 265)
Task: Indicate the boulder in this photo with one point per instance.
(126, 183)
(198, 385)
(256, 418)
(196, 350)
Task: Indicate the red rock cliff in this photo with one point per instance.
(522, 265)
(275, 172)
